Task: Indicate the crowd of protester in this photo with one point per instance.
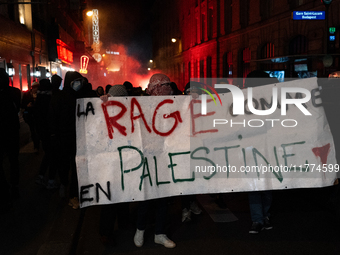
(50, 115)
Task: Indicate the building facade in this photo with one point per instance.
(230, 38)
(42, 38)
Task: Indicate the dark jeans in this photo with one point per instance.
(187, 200)
(47, 160)
(65, 160)
(161, 207)
(259, 204)
(108, 216)
(34, 134)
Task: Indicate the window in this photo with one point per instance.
(198, 38)
(295, 3)
(266, 8)
(228, 64)
(227, 16)
(267, 51)
(22, 14)
(208, 67)
(202, 70)
(11, 11)
(246, 56)
(210, 23)
(244, 13)
(196, 67)
(202, 27)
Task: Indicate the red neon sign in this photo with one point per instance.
(64, 54)
(84, 61)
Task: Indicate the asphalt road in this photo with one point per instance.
(306, 221)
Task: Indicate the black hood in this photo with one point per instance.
(45, 85)
(56, 81)
(69, 77)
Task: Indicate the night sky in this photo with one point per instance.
(126, 22)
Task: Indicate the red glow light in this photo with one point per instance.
(64, 54)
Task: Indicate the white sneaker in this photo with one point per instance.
(164, 240)
(139, 238)
(194, 208)
(186, 215)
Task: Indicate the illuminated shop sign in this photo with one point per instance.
(95, 33)
(64, 54)
(112, 52)
(84, 61)
(95, 27)
(308, 15)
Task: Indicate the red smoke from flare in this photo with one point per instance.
(120, 68)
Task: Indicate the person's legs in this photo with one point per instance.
(4, 186)
(186, 213)
(74, 179)
(52, 168)
(143, 208)
(123, 213)
(161, 215)
(255, 206)
(107, 219)
(267, 198)
(161, 219)
(34, 135)
(13, 156)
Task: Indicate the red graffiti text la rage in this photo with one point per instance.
(112, 121)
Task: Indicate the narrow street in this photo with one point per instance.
(305, 222)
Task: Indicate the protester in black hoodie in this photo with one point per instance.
(63, 130)
(9, 139)
(42, 105)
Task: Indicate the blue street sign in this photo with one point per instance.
(309, 15)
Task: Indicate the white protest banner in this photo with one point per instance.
(138, 148)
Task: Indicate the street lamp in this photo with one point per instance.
(173, 40)
(89, 13)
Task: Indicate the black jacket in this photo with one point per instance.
(10, 99)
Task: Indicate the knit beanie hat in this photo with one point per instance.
(159, 85)
(118, 90)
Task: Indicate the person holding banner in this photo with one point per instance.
(10, 98)
(259, 201)
(62, 125)
(109, 213)
(159, 85)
